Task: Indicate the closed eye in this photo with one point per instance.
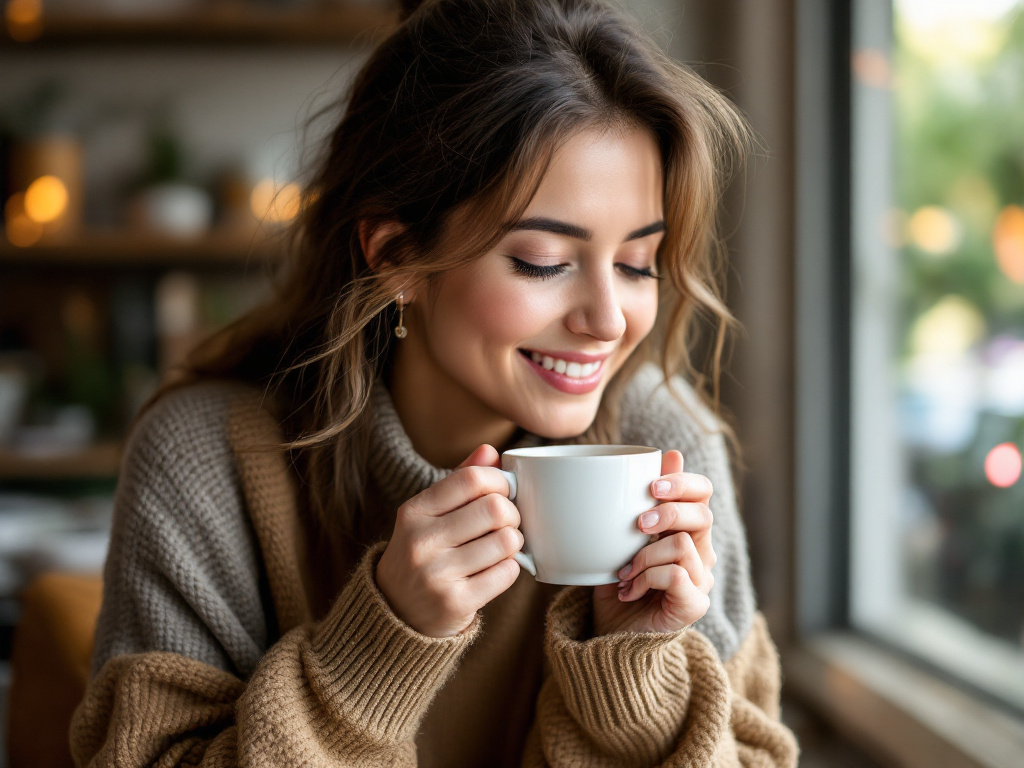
(633, 273)
(535, 270)
(545, 272)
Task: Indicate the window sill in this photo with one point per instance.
(896, 711)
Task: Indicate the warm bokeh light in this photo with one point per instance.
(19, 229)
(46, 199)
(24, 19)
(934, 230)
(949, 328)
(1008, 242)
(871, 67)
(1002, 465)
(275, 204)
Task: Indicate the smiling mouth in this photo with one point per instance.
(568, 368)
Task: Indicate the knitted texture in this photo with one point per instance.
(209, 649)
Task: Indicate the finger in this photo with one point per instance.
(675, 582)
(484, 456)
(491, 582)
(476, 519)
(694, 517)
(682, 486)
(458, 489)
(482, 553)
(671, 461)
(677, 548)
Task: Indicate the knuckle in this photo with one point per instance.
(510, 540)
(407, 510)
(678, 577)
(680, 545)
(419, 553)
(473, 477)
(712, 559)
(495, 509)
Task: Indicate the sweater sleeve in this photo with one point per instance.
(180, 677)
(652, 699)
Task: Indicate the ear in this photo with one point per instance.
(372, 241)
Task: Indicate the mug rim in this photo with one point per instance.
(614, 451)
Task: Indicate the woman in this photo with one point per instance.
(513, 218)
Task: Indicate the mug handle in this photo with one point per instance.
(524, 559)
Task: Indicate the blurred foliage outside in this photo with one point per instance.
(958, 229)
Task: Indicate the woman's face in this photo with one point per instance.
(533, 331)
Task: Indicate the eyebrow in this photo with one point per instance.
(541, 224)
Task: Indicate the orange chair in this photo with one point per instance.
(50, 666)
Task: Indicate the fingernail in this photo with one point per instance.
(623, 591)
(648, 519)
(662, 487)
(625, 571)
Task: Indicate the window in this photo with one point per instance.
(937, 335)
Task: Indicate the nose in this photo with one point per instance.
(597, 310)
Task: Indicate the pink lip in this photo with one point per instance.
(562, 382)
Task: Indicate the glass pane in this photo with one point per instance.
(939, 291)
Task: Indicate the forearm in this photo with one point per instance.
(640, 699)
(325, 692)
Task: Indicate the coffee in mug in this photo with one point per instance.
(579, 506)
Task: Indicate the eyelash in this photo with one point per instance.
(543, 273)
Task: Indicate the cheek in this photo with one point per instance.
(641, 316)
(489, 311)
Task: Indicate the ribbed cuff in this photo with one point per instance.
(370, 664)
(630, 691)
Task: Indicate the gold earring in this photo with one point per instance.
(400, 328)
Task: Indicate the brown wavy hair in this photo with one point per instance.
(448, 129)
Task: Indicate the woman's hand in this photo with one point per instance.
(452, 547)
(668, 581)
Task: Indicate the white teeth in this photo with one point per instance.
(572, 370)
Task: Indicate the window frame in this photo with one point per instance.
(899, 708)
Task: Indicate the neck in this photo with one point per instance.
(444, 422)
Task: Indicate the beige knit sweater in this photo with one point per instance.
(338, 680)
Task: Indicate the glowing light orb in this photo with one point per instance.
(1008, 242)
(934, 230)
(24, 19)
(19, 229)
(275, 204)
(46, 199)
(1002, 465)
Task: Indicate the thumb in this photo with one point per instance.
(671, 462)
(484, 456)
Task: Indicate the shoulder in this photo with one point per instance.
(186, 426)
(665, 414)
(183, 568)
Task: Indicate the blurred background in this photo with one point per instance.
(151, 150)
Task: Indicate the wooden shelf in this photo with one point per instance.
(99, 461)
(104, 249)
(226, 23)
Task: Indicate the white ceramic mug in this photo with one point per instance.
(579, 506)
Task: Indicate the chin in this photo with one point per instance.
(560, 426)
